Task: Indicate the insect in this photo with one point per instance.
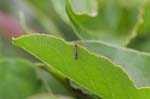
(75, 51)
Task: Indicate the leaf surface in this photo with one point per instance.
(94, 73)
(136, 63)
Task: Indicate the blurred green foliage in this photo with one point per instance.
(125, 23)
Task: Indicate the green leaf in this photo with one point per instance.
(95, 73)
(112, 24)
(17, 79)
(134, 62)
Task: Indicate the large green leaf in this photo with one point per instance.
(17, 79)
(134, 62)
(95, 73)
(113, 23)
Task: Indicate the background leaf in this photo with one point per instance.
(142, 42)
(112, 24)
(17, 79)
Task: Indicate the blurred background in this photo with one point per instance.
(20, 17)
(50, 17)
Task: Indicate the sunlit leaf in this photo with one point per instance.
(95, 73)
